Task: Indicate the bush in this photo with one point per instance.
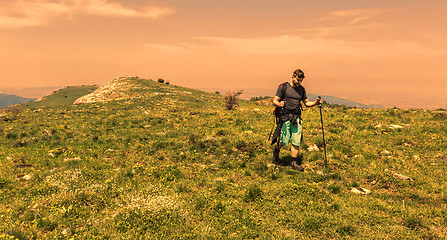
(259, 98)
(253, 193)
(231, 99)
(11, 113)
(161, 80)
(413, 222)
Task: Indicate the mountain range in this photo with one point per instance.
(249, 93)
(8, 100)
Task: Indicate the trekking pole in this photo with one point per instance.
(322, 129)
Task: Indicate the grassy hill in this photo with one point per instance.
(8, 100)
(64, 96)
(171, 162)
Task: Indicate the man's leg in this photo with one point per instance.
(282, 141)
(295, 149)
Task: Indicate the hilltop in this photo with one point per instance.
(131, 88)
(152, 160)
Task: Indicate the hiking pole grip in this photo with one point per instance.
(322, 130)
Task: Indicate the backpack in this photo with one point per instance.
(277, 112)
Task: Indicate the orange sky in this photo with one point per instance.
(384, 52)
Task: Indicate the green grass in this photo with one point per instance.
(64, 96)
(175, 164)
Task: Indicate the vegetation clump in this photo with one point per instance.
(231, 99)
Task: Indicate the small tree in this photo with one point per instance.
(11, 113)
(161, 80)
(231, 99)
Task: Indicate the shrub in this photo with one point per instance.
(253, 193)
(334, 188)
(11, 113)
(346, 230)
(259, 98)
(413, 222)
(161, 80)
(231, 99)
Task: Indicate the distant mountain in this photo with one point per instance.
(8, 100)
(341, 101)
(248, 93)
(30, 92)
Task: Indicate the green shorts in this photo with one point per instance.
(288, 131)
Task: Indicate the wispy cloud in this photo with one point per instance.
(178, 48)
(353, 16)
(24, 13)
(294, 46)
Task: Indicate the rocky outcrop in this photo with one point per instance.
(116, 89)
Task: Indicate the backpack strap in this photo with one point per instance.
(283, 91)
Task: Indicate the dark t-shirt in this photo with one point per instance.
(292, 95)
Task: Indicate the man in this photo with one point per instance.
(287, 99)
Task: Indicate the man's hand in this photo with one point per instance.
(319, 100)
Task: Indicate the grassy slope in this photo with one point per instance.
(64, 96)
(178, 165)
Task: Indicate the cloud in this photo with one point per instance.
(296, 46)
(353, 16)
(103, 7)
(178, 48)
(25, 13)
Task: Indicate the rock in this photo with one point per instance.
(385, 152)
(72, 159)
(403, 177)
(313, 148)
(392, 126)
(360, 190)
(27, 177)
(66, 231)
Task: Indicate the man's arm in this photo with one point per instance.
(308, 103)
(277, 103)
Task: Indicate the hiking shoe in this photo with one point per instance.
(275, 155)
(295, 166)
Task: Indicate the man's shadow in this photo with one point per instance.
(285, 161)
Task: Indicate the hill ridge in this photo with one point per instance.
(123, 88)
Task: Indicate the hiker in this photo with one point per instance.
(288, 98)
